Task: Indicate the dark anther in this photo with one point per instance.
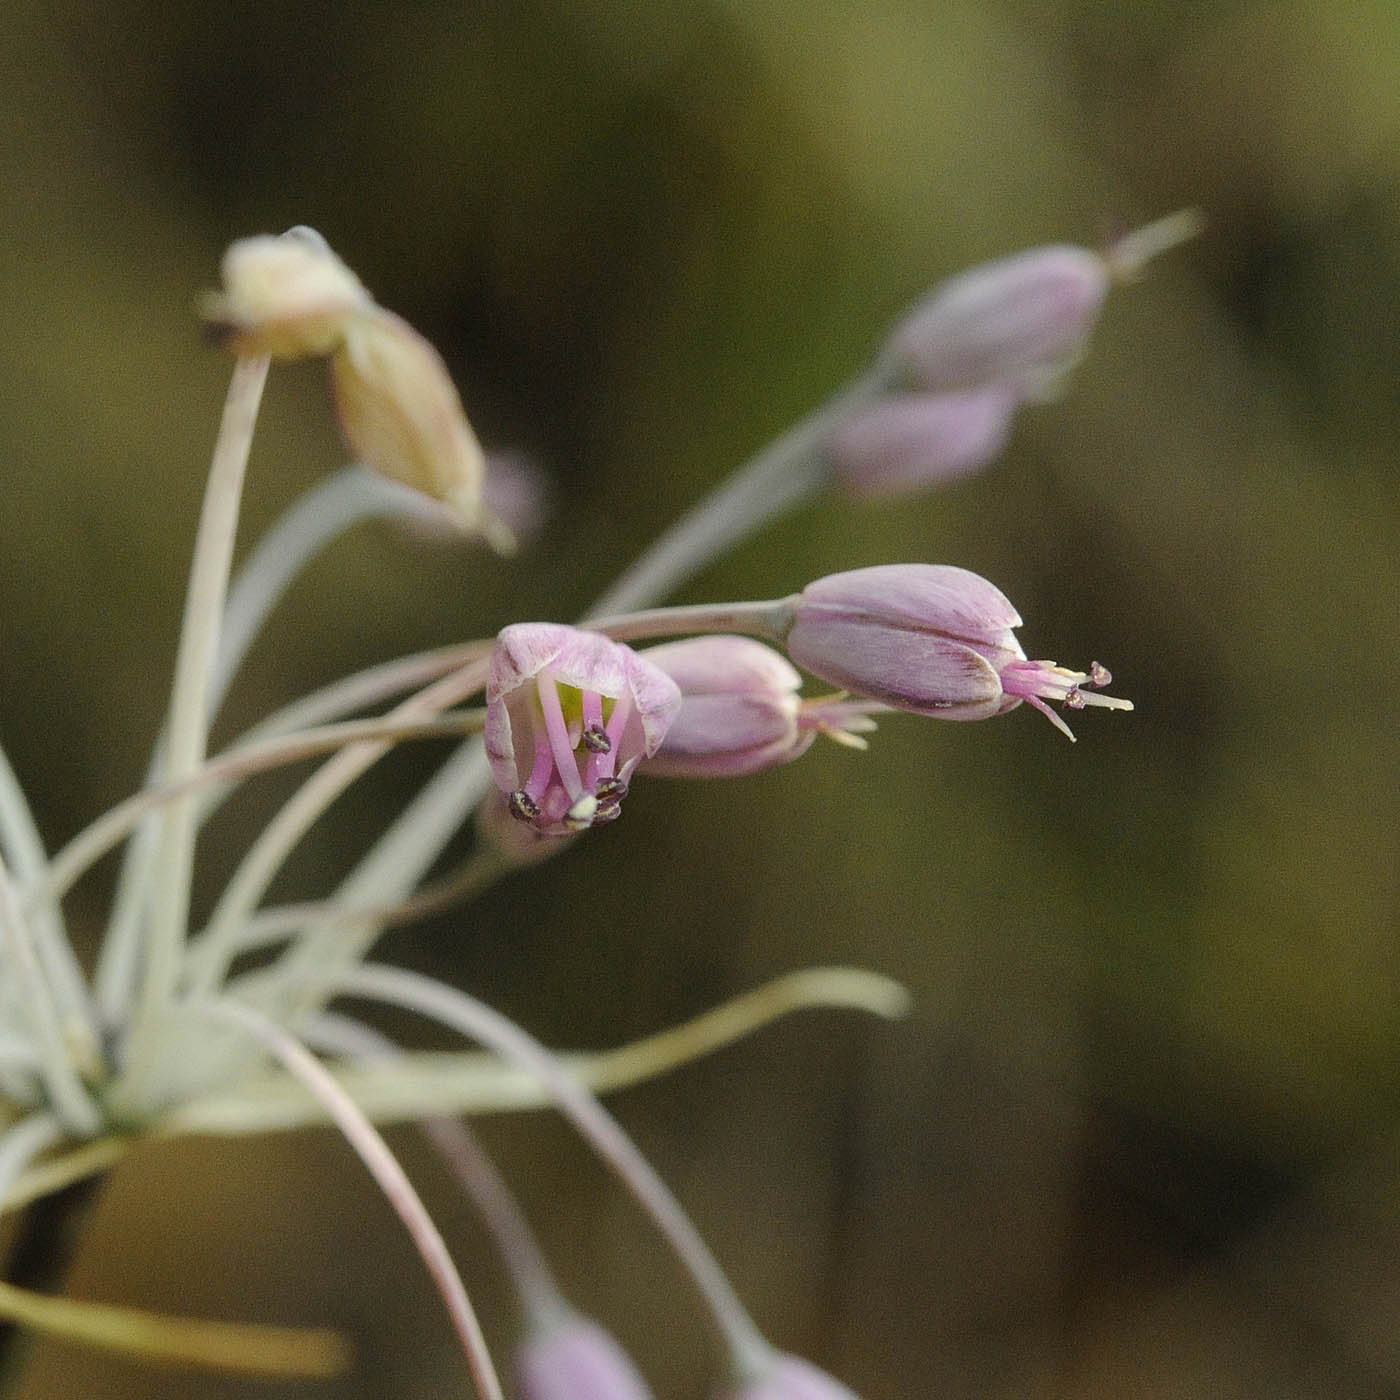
(1099, 675)
(595, 739)
(608, 811)
(1073, 699)
(610, 790)
(522, 806)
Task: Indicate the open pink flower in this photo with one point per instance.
(933, 639)
(569, 715)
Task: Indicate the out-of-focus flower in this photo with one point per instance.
(287, 296)
(932, 639)
(1019, 322)
(569, 715)
(790, 1378)
(402, 417)
(909, 441)
(740, 710)
(575, 1359)
(977, 347)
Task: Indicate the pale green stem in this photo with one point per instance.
(118, 960)
(94, 841)
(24, 849)
(374, 1152)
(168, 903)
(267, 854)
(318, 517)
(473, 1170)
(21, 1143)
(57, 1071)
(788, 471)
(473, 1018)
(281, 921)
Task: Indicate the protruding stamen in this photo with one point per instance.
(581, 815)
(1099, 675)
(559, 742)
(522, 806)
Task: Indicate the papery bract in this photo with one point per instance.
(575, 1359)
(932, 639)
(287, 296)
(569, 715)
(791, 1378)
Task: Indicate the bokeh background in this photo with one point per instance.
(1138, 1138)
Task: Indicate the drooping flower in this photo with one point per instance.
(1020, 322)
(572, 1358)
(569, 715)
(740, 710)
(908, 441)
(790, 1378)
(402, 416)
(932, 639)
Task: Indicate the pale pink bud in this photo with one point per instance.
(740, 710)
(1020, 322)
(286, 296)
(402, 417)
(791, 1378)
(574, 1359)
(932, 639)
(569, 715)
(908, 441)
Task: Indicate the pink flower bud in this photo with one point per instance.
(740, 710)
(791, 1378)
(574, 1359)
(907, 441)
(569, 715)
(1019, 322)
(932, 639)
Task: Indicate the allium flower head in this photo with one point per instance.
(569, 715)
(791, 1378)
(575, 1359)
(932, 639)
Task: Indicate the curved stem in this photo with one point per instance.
(56, 1069)
(374, 1152)
(266, 855)
(168, 905)
(92, 843)
(474, 1018)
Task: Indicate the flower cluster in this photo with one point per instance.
(223, 1025)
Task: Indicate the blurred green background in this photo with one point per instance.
(1139, 1136)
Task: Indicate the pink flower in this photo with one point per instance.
(574, 1359)
(569, 715)
(740, 710)
(1019, 322)
(932, 639)
(908, 441)
(791, 1378)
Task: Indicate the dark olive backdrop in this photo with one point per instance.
(1137, 1138)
